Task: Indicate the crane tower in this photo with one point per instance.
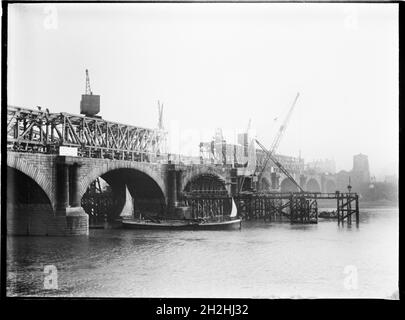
(90, 103)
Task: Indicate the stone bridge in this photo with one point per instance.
(45, 191)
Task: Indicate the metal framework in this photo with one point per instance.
(98, 206)
(41, 131)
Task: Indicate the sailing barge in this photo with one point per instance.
(185, 224)
(227, 223)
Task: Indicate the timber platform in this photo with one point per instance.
(295, 207)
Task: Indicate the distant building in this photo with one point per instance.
(243, 141)
(321, 166)
(342, 180)
(291, 164)
(360, 171)
(359, 176)
(219, 151)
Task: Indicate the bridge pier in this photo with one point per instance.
(172, 187)
(234, 182)
(174, 207)
(62, 187)
(71, 217)
(74, 188)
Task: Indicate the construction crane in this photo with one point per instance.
(244, 171)
(281, 131)
(277, 139)
(160, 111)
(249, 125)
(88, 89)
(90, 103)
(161, 133)
(279, 165)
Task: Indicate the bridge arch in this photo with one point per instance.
(288, 186)
(30, 171)
(102, 169)
(205, 182)
(23, 189)
(146, 195)
(312, 186)
(28, 206)
(202, 173)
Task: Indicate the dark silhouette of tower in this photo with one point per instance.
(360, 172)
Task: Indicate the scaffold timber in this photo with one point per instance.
(294, 207)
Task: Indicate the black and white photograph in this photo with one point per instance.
(200, 150)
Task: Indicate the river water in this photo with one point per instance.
(263, 260)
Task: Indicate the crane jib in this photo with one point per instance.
(278, 164)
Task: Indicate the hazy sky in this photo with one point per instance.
(217, 65)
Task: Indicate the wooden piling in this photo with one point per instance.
(291, 208)
(357, 210)
(338, 206)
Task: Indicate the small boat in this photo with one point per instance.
(327, 215)
(185, 224)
